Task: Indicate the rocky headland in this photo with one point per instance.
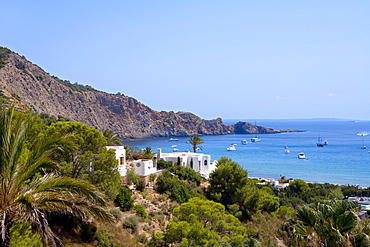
(30, 88)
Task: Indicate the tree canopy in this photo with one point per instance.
(30, 189)
(202, 222)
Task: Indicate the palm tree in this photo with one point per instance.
(327, 224)
(28, 188)
(112, 138)
(195, 141)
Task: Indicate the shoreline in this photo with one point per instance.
(308, 182)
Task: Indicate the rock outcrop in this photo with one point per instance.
(31, 88)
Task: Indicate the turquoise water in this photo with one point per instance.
(343, 161)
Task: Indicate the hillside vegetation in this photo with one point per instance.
(68, 180)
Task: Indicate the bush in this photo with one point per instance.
(116, 213)
(186, 173)
(174, 188)
(140, 211)
(132, 223)
(161, 164)
(123, 199)
(141, 238)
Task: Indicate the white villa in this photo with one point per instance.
(201, 162)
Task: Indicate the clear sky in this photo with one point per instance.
(230, 59)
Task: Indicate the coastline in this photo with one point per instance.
(271, 180)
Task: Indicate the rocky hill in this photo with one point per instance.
(30, 88)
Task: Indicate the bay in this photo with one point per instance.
(342, 161)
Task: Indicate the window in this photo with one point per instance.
(138, 164)
(205, 162)
(121, 160)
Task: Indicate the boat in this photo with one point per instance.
(175, 149)
(173, 146)
(319, 142)
(244, 142)
(363, 144)
(301, 156)
(173, 139)
(326, 142)
(287, 151)
(255, 139)
(231, 148)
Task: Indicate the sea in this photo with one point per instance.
(343, 161)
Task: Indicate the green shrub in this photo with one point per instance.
(116, 213)
(22, 235)
(124, 199)
(152, 177)
(174, 188)
(161, 164)
(159, 217)
(186, 173)
(141, 238)
(140, 211)
(132, 223)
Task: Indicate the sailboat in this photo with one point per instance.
(363, 145)
(319, 142)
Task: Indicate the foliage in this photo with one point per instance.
(84, 138)
(157, 240)
(329, 224)
(161, 164)
(174, 188)
(4, 55)
(124, 199)
(147, 154)
(186, 173)
(195, 141)
(202, 222)
(89, 159)
(111, 138)
(131, 222)
(140, 211)
(131, 151)
(134, 178)
(75, 87)
(47, 119)
(29, 189)
(229, 185)
(22, 235)
(299, 193)
(116, 213)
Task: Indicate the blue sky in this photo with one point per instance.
(229, 59)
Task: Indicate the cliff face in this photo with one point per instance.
(31, 88)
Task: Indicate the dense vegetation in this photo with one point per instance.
(58, 179)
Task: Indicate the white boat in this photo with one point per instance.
(301, 156)
(326, 142)
(255, 139)
(173, 146)
(231, 148)
(173, 139)
(175, 149)
(287, 151)
(244, 142)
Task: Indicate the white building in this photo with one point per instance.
(143, 167)
(201, 162)
(121, 159)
